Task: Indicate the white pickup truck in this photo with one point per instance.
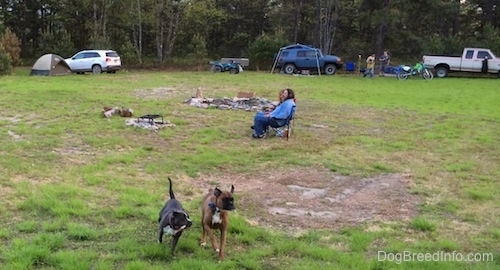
(472, 60)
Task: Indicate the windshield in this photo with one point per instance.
(320, 54)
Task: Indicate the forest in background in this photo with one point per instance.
(152, 33)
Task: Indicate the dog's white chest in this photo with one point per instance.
(168, 230)
(216, 218)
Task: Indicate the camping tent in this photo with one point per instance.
(50, 64)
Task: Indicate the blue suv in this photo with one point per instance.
(295, 58)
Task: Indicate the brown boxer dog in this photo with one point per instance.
(215, 209)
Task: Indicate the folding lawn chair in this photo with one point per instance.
(284, 130)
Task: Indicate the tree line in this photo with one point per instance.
(191, 32)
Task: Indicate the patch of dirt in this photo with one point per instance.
(302, 199)
(156, 93)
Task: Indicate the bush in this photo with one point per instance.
(263, 49)
(128, 54)
(5, 62)
(12, 46)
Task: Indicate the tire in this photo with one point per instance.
(217, 69)
(234, 71)
(289, 68)
(403, 75)
(96, 69)
(330, 69)
(442, 72)
(427, 75)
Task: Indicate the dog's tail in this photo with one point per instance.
(172, 196)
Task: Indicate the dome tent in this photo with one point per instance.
(50, 64)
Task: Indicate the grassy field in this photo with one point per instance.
(83, 192)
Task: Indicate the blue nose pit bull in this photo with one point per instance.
(173, 219)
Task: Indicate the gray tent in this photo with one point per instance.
(50, 64)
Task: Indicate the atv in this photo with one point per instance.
(231, 66)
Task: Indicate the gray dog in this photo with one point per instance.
(173, 219)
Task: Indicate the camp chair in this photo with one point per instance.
(350, 66)
(284, 130)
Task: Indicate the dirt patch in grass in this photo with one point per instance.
(302, 199)
(157, 93)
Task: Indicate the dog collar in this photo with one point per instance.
(213, 207)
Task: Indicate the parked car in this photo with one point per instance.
(471, 60)
(295, 58)
(95, 61)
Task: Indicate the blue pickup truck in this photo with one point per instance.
(298, 57)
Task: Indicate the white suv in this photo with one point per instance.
(95, 61)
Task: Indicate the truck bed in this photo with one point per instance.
(454, 62)
(445, 55)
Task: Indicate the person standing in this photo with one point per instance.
(370, 65)
(385, 60)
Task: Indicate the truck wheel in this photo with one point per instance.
(234, 71)
(441, 72)
(289, 68)
(330, 69)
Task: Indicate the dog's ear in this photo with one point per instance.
(232, 189)
(217, 192)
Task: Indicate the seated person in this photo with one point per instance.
(275, 118)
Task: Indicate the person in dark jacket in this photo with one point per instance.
(385, 60)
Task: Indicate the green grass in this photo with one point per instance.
(423, 224)
(83, 192)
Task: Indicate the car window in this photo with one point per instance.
(483, 54)
(285, 54)
(308, 53)
(301, 53)
(469, 54)
(311, 54)
(79, 56)
(112, 54)
(91, 55)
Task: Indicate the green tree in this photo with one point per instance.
(203, 18)
(58, 43)
(198, 54)
(229, 26)
(262, 51)
(128, 54)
